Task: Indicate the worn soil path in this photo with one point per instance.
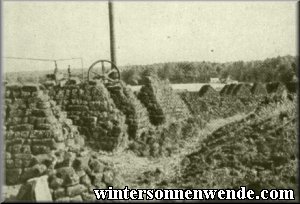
(133, 168)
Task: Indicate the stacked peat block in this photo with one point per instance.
(213, 105)
(230, 89)
(234, 145)
(209, 92)
(40, 140)
(211, 98)
(162, 102)
(275, 87)
(236, 98)
(72, 176)
(93, 110)
(195, 104)
(277, 90)
(248, 85)
(224, 90)
(200, 107)
(291, 87)
(75, 176)
(241, 91)
(137, 118)
(259, 89)
(32, 128)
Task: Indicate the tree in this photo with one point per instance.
(165, 72)
(131, 76)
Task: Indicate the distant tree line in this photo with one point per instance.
(271, 69)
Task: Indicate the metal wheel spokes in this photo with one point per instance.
(105, 71)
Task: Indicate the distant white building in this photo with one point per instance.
(228, 80)
(214, 80)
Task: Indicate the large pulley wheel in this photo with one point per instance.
(105, 71)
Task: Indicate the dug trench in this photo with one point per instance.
(85, 136)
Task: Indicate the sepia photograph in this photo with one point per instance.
(153, 101)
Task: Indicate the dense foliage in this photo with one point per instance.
(272, 69)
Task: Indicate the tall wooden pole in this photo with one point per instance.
(112, 33)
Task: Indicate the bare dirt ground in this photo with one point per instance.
(142, 172)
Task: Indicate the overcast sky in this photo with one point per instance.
(147, 32)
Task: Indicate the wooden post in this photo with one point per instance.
(112, 33)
